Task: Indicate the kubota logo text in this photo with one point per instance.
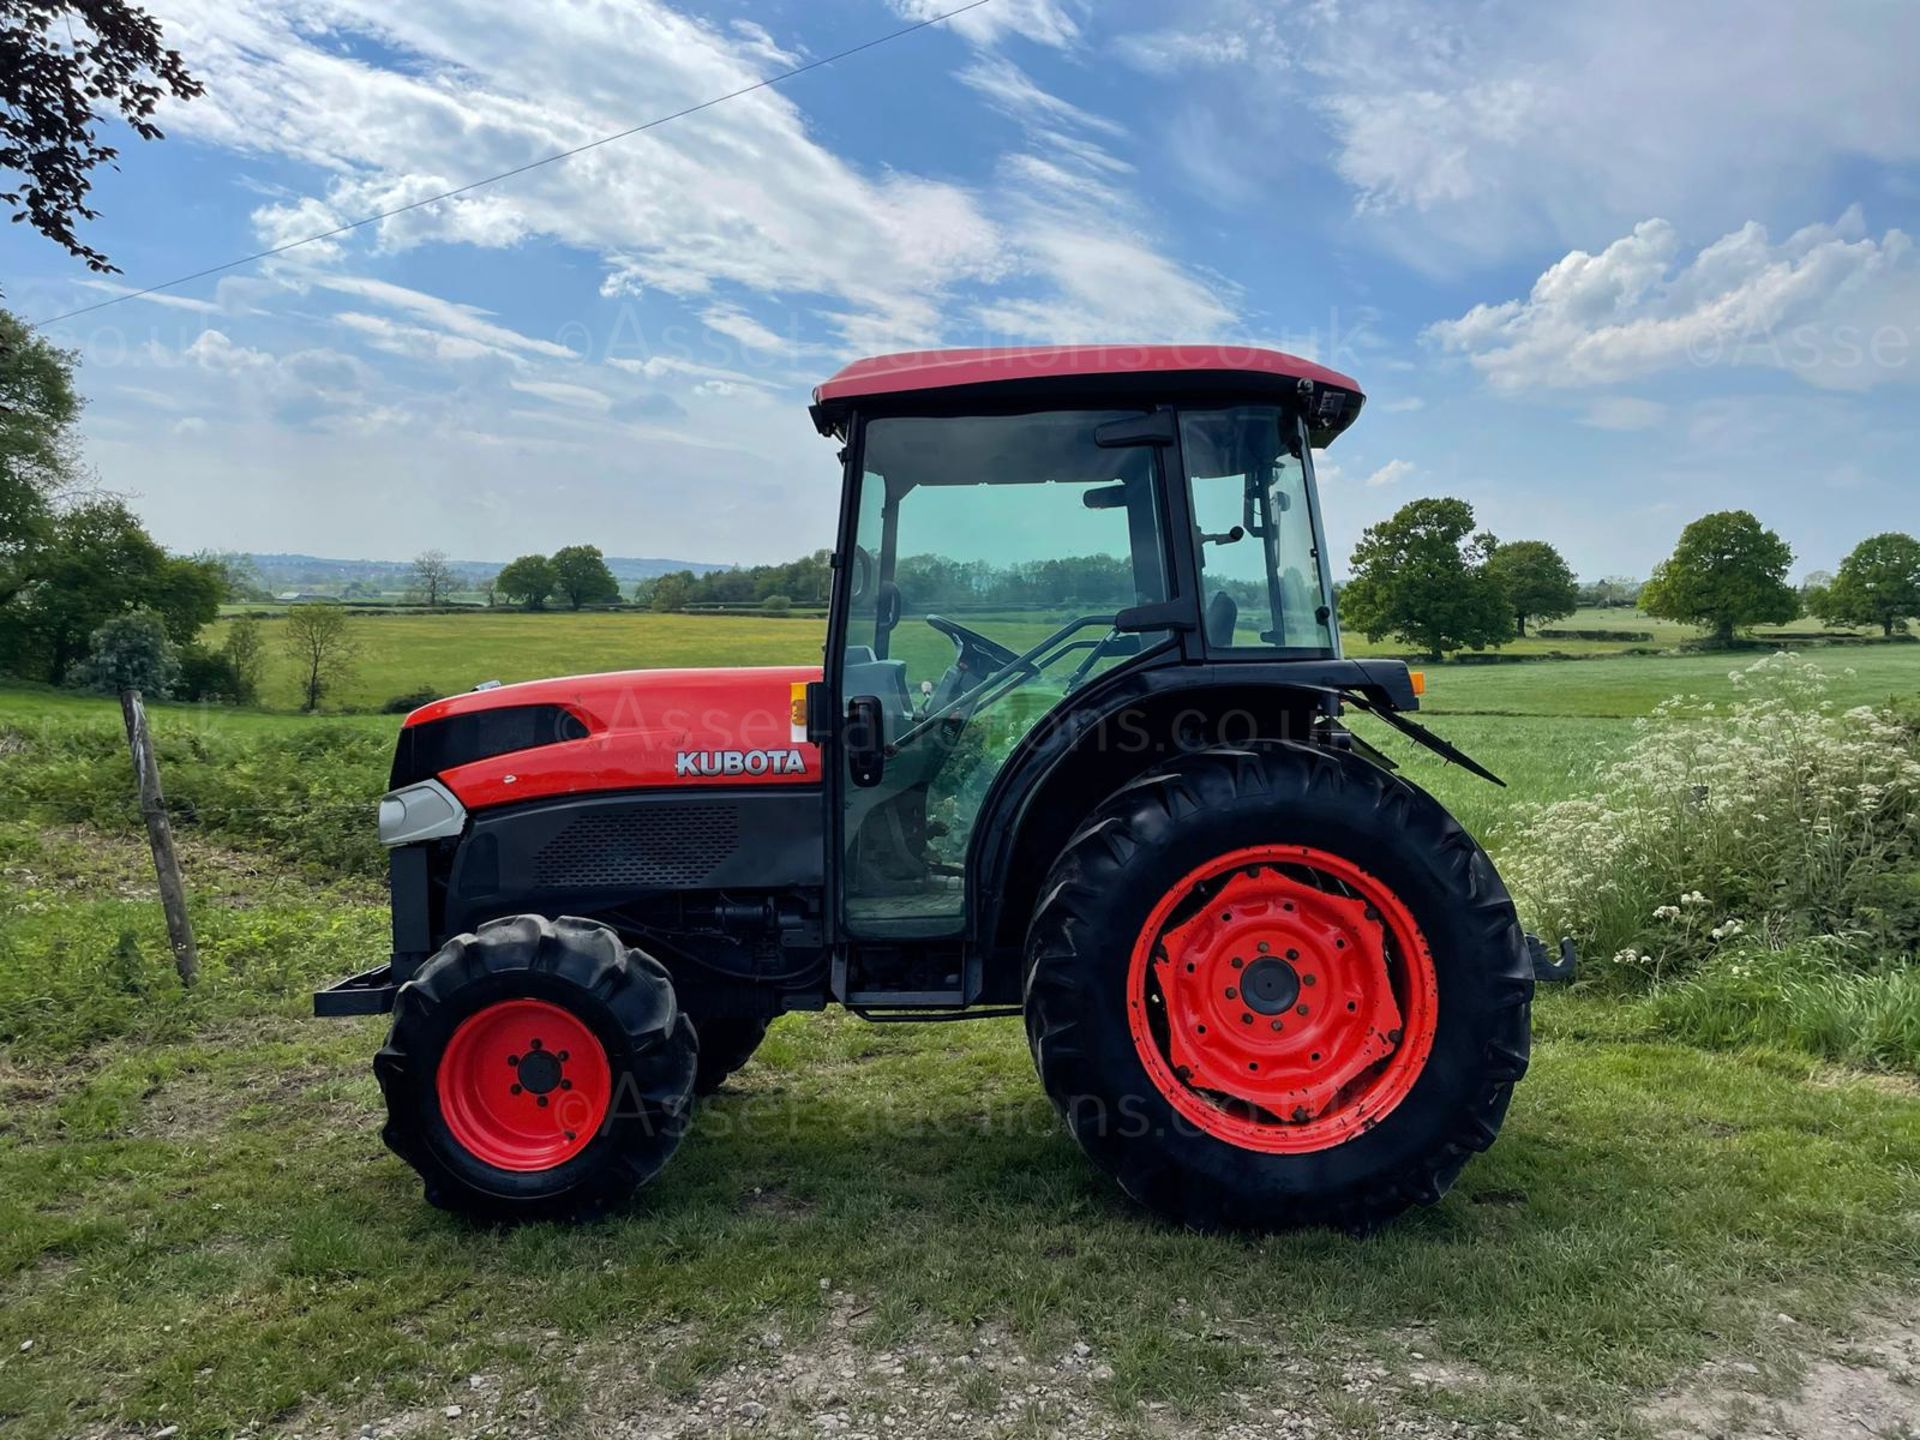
(739, 762)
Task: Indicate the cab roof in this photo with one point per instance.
(1082, 371)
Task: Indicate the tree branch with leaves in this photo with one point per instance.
(66, 69)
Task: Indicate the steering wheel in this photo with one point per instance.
(972, 643)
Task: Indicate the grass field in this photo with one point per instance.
(404, 654)
(200, 1228)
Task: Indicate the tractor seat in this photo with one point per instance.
(1223, 613)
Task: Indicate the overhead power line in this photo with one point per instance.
(632, 130)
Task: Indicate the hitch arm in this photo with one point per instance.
(1420, 735)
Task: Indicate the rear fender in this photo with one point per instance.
(1082, 753)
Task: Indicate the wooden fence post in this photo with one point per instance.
(166, 864)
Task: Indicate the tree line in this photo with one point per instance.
(1427, 577)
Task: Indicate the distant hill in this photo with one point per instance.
(316, 572)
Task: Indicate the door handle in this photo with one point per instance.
(866, 740)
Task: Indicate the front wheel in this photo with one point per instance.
(726, 1043)
(536, 1069)
(1275, 985)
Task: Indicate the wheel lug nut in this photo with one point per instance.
(1246, 1019)
(1232, 994)
(1306, 979)
(1278, 1026)
(1265, 948)
(1238, 962)
(1293, 954)
(1300, 1009)
(566, 1084)
(513, 1060)
(515, 1090)
(541, 1102)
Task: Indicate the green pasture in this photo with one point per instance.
(200, 1228)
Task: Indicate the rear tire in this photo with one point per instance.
(1433, 971)
(726, 1043)
(536, 1069)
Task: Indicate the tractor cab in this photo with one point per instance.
(1018, 526)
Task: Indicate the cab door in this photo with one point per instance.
(992, 565)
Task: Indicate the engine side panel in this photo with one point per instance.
(637, 730)
(581, 855)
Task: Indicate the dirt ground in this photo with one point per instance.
(832, 1386)
(1866, 1387)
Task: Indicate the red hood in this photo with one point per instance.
(645, 729)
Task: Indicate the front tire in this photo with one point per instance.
(536, 1069)
(726, 1043)
(1274, 986)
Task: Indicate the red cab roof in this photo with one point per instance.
(920, 370)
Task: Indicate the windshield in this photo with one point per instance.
(1010, 526)
(1261, 575)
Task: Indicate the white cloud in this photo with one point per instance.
(1473, 132)
(161, 298)
(213, 350)
(1830, 304)
(561, 392)
(1054, 23)
(1624, 412)
(468, 322)
(1256, 38)
(1012, 90)
(744, 196)
(1406, 404)
(1391, 473)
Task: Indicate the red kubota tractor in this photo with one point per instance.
(1076, 752)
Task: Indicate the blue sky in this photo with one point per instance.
(1600, 268)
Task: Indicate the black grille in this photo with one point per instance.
(659, 847)
(441, 745)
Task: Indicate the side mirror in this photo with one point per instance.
(866, 740)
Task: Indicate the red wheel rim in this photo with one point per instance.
(1282, 999)
(524, 1085)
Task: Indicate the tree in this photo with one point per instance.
(97, 561)
(672, 591)
(245, 653)
(1728, 572)
(433, 577)
(1816, 596)
(57, 62)
(1422, 575)
(1878, 584)
(321, 647)
(38, 453)
(1537, 581)
(527, 581)
(129, 652)
(581, 576)
(490, 590)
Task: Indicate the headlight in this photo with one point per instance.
(427, 811)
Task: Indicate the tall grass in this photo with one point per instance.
(1805, 997)
(1771, 817)
(1752, 865)
(304, 793)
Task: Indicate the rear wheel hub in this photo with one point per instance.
(1282, 998)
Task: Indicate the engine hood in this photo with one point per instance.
(625, 730)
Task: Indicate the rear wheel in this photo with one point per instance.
(1275, 986)
(536, 1068)
(726, 1043)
